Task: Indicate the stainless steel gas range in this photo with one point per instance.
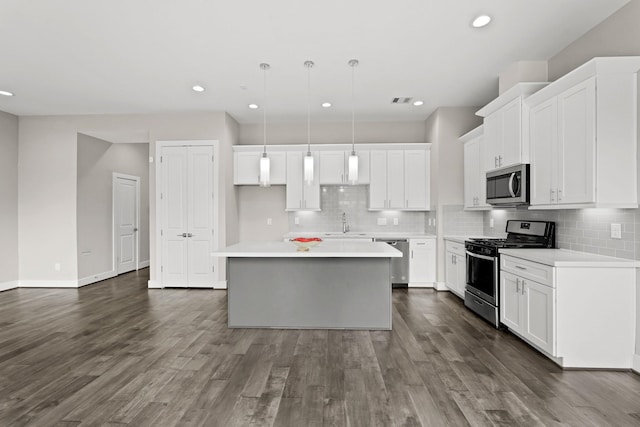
(482, 294)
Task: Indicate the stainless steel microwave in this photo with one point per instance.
(508, 186)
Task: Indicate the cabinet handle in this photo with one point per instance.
(521, 267)
(495, 161)
(559, 194)
(517, 285)
(499, 160)
(551, 193)
(411, 253)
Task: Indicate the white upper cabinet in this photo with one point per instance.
(300, 194)
(400, 180)
(475, 179)
(246, 167)
(506, 141)
(584, 137)
(334, 168)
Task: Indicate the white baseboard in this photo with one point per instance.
(441, 286)
(421, 285)
(48, 283)
(96, 278)
(636, 363)
(8, 285)
(154, 284)
(220, 284)
(144, 264)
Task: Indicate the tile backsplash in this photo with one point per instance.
(353, 201)
(458, 222)
(585, 230)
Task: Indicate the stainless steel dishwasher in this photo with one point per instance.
(399, 266)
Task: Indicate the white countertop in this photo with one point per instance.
(359, 234)
(326, 249)
(568, 258)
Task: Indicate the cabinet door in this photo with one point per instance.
(416, 179)
(294, 188)
(492, 140)
(395, 179)
(422, 261)
(378, 180)
(482, 175)
(577, 143)
(538, 315)
(471, 173)
(246, 168)
(451, 273)
(510, 301)
(460, 262)
(511, 135)
(544, 161)
(332, 167)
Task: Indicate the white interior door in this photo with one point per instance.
(174, 209)
(126, 199)
(200, 216)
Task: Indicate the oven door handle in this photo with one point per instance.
(488, 258)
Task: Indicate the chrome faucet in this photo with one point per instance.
(345, 224)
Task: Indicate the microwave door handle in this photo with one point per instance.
(511, 178)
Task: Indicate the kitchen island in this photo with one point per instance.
(335, 285)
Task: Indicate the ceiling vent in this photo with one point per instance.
(401, 100)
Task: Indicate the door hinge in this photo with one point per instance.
(161, 232)
(160, 159)
(161, 196)
(213, 268)
(211, 159)
(161, 269)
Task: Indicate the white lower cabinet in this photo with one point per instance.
(455, 267)
(579, 314)
(422, 262)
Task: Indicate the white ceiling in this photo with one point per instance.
(143, 56)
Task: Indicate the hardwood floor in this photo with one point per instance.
(118, 354)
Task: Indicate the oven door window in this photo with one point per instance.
(481, 277)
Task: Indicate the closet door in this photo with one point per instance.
(200, 216)
(174, 216)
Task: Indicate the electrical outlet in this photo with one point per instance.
(296, 220)
(269, 221)
(382, 221)
(491, 223)
(395, 221)
(150, 159)
(616, 231)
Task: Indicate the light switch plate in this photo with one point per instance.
(269, 221)
(296, 220)
(395, 221)
(491, 223)
(382, 221)
(616, 231)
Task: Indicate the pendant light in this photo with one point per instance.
(265, 164)
(308, 158)
(352, 163)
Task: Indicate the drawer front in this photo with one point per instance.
(455, 247)
(527, 269)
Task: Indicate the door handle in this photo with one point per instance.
(189, 235)
(135, 229)
(182, 235)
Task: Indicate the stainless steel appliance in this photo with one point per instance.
(399, 266)
(482, 294)
(508, 186)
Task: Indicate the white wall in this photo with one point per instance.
(257, 204)
(97, 160)
(48, 181)
(442, 130)
(8, 199)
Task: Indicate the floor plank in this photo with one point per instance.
(118, 354)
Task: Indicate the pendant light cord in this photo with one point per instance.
(353, 64)
(308, 64)
(264, 68)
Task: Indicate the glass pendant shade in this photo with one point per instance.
(308, 168)
(353, 168)
(265, 171)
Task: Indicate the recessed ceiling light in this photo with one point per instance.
(253, 106)
(481, 21)
(198, 88)
(326, 104)
(6, 93)
(418, 103)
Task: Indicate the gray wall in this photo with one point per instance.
(8, 198)
(619, 35)
(97, 160)
(48, 181)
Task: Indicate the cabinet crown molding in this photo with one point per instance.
(520, 89)
(335, 147)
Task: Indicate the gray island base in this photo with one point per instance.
(344, 285)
